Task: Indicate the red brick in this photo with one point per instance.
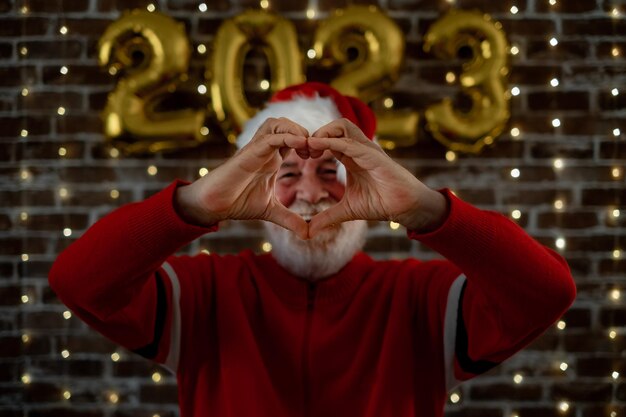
(593, 342)
(158, 394)
(86, 26)
(612, 266)
(582, 391)
(579, 6)
(613, 317)
(17, 246)
(5, 222)
(567, 220)
(212, 6)
(527, 196)
(603, 410)
(83, 368)
(543, 411)
(6, 51)
(77, 74)
(51, 101)
(87, 174)
(52, 49)
(90, 343)
(529, 27)
(468, 411)
(572, 100)
(24, 26)
(67, 411)
(57, 222)
(607, 101)
(11, 296)
(6, 6)
(34, 269)
(604, 197)
(563, 149)
(524, 392)
(113, 5)
(12, 126)
(17, 76)
(591, 26)
(578, 318)
(134, 366)
(41, 392)
(599, 366)
(605, 50)
(61, 6)
(49, 150)
(142, 412)
(613, 149)
(6, 270)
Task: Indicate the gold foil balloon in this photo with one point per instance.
(152, 51)
(368, 46)
(234, 39)
(483, 80)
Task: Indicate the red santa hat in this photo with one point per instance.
(312, 105)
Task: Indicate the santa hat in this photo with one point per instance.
(311, 105)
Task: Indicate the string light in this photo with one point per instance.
(615, 375)
(201, 49)
(63, 30)
(64, 70)
(25, 338)
(563, 406)
(62, 151)
(115, 194)
(25, 92)
(266, 247)
(388, 102)
(559, 204)
(310, 13)
(515, 173)
(558, 163)
(554, 82)
(156, 377)
(25, 299)
(615, 51)
(204, 131)
(67, 314)
(553, 41)
(205, 251)
(264, 4)
(556, 122)
(514, 10)
(617, 253)
(615, 12)
(113, 397)
(67, 394)
(615, 294)
(615, 92)
(24, 10)
(616, 132)
(67, 232)
(114, 152)
(115, 356)
(203, 171)
(515, 91)
(455, 397)
(560, 243)
(394, 225)
(202, 7)
(311, 54)
(25, 175)
(616, 172)
(24, 133)
(552, 2)
(23, 51)
(152, 170)
(264, 84)
(65, 353)
(514, 50)
(202, 89)
(26, 379)
(615, 213)
(450, 77)
(515, 132)
(563, 366)
(61, 111)
(516, 214)
(23, 216)
(612, 334)
(25, 257)
(450, 156)
(63, 192)
(151, 7)
(518, 378)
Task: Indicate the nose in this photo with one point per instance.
(311, 188)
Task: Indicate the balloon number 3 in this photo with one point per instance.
(151, 53)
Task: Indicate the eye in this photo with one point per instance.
(287, 175)
(328, 173)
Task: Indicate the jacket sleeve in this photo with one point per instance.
(510, 291)
(113, 276)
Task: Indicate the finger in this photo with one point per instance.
(286, 218)
(268, 144)
(330, 217)
(280, 125)
(341, 128)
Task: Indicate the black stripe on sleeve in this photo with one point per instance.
(150, 350)
(462, 345)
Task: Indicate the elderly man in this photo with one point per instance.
(316, 328)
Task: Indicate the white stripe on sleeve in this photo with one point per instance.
(449, 330)
(172, 358)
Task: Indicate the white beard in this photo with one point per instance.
(321, 256)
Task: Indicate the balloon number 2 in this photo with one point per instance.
(150, 52)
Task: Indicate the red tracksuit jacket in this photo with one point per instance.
(379, 338)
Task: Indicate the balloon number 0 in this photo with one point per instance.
(151, 53)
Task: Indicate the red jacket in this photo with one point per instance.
(379, 338)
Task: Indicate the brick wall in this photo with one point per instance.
(56, 179)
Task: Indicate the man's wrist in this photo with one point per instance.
(187, 206)
(430, 214)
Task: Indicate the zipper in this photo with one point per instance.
(306, 384)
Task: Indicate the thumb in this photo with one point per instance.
(286, 218)
(330, 217)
